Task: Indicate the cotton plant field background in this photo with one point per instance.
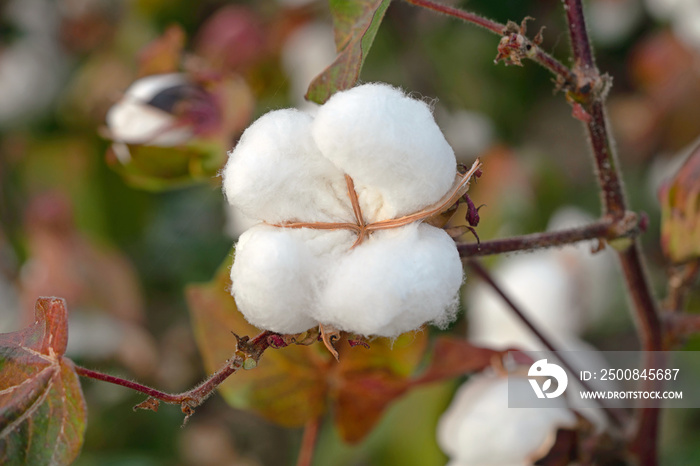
(115, 122)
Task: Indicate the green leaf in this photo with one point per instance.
(356, 23)
(42, 410)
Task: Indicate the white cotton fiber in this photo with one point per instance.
(134, 122)
(272, 278)
(479, 429)
(277, 274)
(394, 282)
(390, 145)
(277, 174)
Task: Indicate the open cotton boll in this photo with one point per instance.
(275, 173)
(134, 122)
(394, 282)
(390, 145)
(277, 272)
(479, 429)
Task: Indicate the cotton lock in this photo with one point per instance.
(369, 156)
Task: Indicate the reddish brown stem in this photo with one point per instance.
(590, 94)
(618, 417)
(308, 442)
(606, 228)
(563, 73)
(247, 349)
(467, 16)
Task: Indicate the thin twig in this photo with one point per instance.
(308, 442)
(617, 417)
(536, 54)
(247, 352)
(467, 16)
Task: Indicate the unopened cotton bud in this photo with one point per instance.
(143, 116)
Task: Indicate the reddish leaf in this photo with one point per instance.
(287, 387)
(453, 357)
(356, 24)
(42, 410)
(370, 379)
(680, 204)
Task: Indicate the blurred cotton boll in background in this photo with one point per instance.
(146, 113)
(469, 133)
(305, 54)
(562, 291)
(478, 429)
(612, 21)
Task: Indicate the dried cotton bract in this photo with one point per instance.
(332, 193)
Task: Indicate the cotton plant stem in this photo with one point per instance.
(644, 441)
(247, 350)
(606, 228)
(308, 442)
(618, 417)
(563, 73)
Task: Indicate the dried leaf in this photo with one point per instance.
(680, 215)
(453, 357)
(355, 24)
(42, 410)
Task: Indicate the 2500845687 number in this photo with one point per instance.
(636, 374)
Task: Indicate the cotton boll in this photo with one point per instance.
(277, 272)
(135, 120)
(277, 174)
(540, 288)
(393, 282)
(479, 429)
(137, 123)
(561, 291)
(390, 145)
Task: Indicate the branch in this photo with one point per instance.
(308, 442)
(606, 228)
(617, 417)
(590, 93)
(246, 356)
(526, 48)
